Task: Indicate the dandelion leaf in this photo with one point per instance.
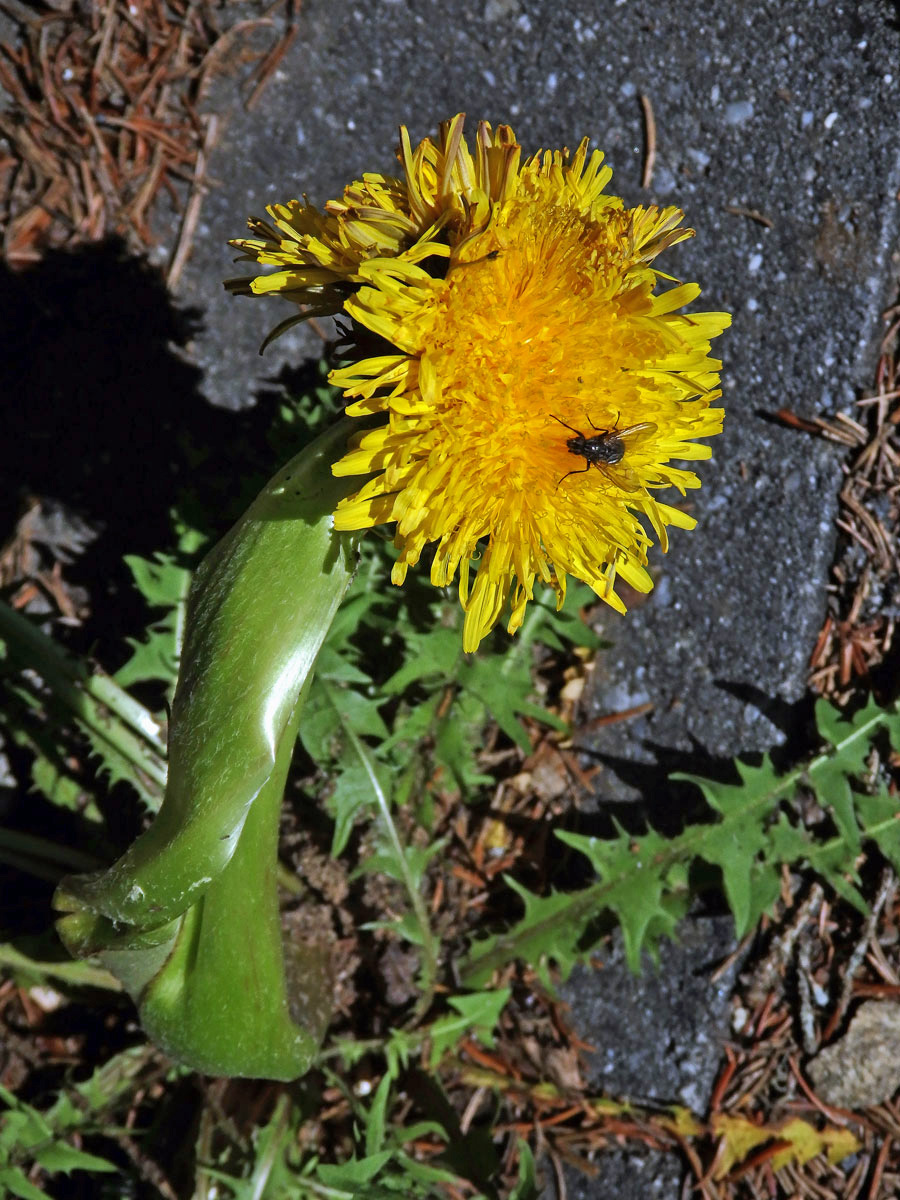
(476, 1016)
(550, 929)
(757, 830)
(738, 845)
(164, 584)
(635, 885)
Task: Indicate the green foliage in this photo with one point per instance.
(476, 1014)
(396, 717)
(29, 1138)
(395, 658)
(397, 712)
(47, 696)
(379, 1168)
(643, 880)
(526, 1188)
(164, 583)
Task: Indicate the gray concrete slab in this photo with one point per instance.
(788, 109)
(656, 1040)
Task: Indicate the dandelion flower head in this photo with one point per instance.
(535, 378)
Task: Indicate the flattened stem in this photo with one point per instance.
(188, 917)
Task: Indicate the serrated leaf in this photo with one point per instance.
(355, 1172)
(738, 843)
(412, 724)
(322, 729)
(455, 744)
(635, 889)
(833, 791)
(60, 1156)
(482, 1010)
(851, 735)
(103, 1087)
(400, 1049)
(643, 880)
(52, 779)
(433, 655)
(504, 700)
(352, 794)
(161, 581)
(119, 769)
(16, 1182)
(830, 775)
(360, 713)
(164, 583)
(880, 817)
(551, 927)
(24, 1129)
(339, 668)
(22, 1124)
(477, 1014)
(416, 859)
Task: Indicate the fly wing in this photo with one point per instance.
(636, 433)
(620, 473)
(623, 477)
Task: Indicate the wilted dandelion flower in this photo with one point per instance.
(515, 299)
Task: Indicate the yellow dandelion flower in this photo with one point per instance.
(536, 385)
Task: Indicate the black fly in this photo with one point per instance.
(605, 451)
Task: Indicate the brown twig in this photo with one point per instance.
(269, 64)
(854, 638)
(752, 213)
(649, 141)
(878, 1171)
(103, 107)
(886, 889)
(626, 714)
(194, 204)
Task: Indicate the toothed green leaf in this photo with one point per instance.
(643, 880)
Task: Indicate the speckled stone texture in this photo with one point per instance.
(862, 1068)
(788, 109)
(656, 1037)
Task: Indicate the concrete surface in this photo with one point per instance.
(657, 1037)
(788, 109)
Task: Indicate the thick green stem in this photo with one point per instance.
(188, 917)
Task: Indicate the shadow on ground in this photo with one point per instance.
(106, 429)
(105, 422)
